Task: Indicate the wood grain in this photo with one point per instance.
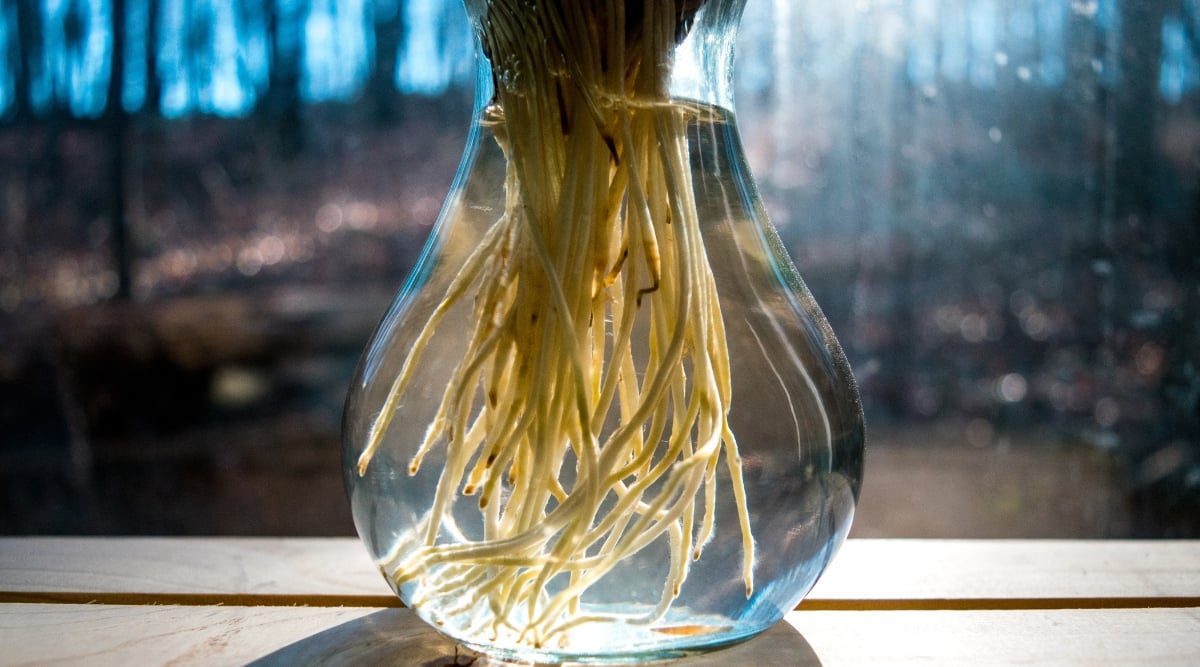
(1034, 571)
(66, 634)
(141, 570)
(150, 635)
(1151, 637)
(159, 635)
(883, 574)
(200, 601)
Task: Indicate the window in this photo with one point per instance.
(995, 202)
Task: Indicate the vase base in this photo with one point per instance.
(618, 643)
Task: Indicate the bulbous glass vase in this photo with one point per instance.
(604, 420)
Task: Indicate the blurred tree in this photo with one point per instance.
(389, 30)
(1135, 108)
(153, 82)
(31, 46)
(280, 108)
(116, 121)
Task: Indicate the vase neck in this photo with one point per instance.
(697, 65)
(703, 69)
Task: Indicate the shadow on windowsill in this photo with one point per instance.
(398, 637)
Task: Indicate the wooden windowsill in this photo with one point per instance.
(320, 601)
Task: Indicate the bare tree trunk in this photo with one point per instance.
(280, 107)
(31, 43)
(1134, 154)
(389, 30)
(153, 88)
(116, 122)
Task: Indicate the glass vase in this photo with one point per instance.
(604, 419)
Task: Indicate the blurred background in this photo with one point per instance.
(206, 206)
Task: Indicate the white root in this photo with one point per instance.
(585, 258)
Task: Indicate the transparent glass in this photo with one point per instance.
(604, 420)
